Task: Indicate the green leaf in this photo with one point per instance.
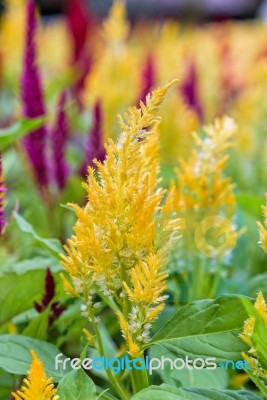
(36, 263)
(258, 283)
(205, 328)
(18, 293)
(77, 386)
(104, 394)
(250, 203)
(19, 129)
(38, 327)
(167, 392)
(15, 355)
(53, 245)
(207, 378)
(6, 384)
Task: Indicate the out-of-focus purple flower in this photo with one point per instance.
(59, 137)
(189, 89)
(94, 148)
(148, 77)
(48, 296)
(32, 99)
(79, 22)
(3, 190)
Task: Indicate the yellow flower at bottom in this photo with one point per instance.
(37, 386)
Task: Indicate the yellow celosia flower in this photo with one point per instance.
(252, 357)
(117, 62)
(37, 386)
(89, 337)
(116, 27)
(119, 246)
(201, 184)
(12, 29)
(263, 229)
(248, 330)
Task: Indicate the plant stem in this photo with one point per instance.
(110, 302)
(216, 279)
(139, 377)
(115, 384)
(196, 281)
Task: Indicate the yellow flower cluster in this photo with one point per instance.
(37, 386)
(121, 244)
(116, 67)
(248, 330)
(11, 35)
(116, 27)
(201, 183)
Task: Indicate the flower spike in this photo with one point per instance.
(33, 104)
(37, 386)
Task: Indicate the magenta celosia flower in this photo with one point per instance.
(48, 296)
(3, 190)
(189, 89)
(59, 137)
(79, 22)
(32, 99)
(148, 77)
(94, 148)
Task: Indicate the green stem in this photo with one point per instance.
(115, 384)
(260, 385)
(139, 377)
(216, 280)
(196, 281)
(110, 302)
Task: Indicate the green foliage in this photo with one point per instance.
(205, 328)
(203, 378)
(18, 292)
(52, 245)
(15, 355)
(76, 385)
(21, 128)
(171, 393)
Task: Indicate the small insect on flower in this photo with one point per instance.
(37, 386)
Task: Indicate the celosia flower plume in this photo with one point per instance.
(37, 386)
(49, 294)
(254, 357)
(117, 247)
(79, 22)
(59, 136)
(201, 183)
(95, 147)
(32, 98)
(116, 27)
(189, 88)
(148, 77)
